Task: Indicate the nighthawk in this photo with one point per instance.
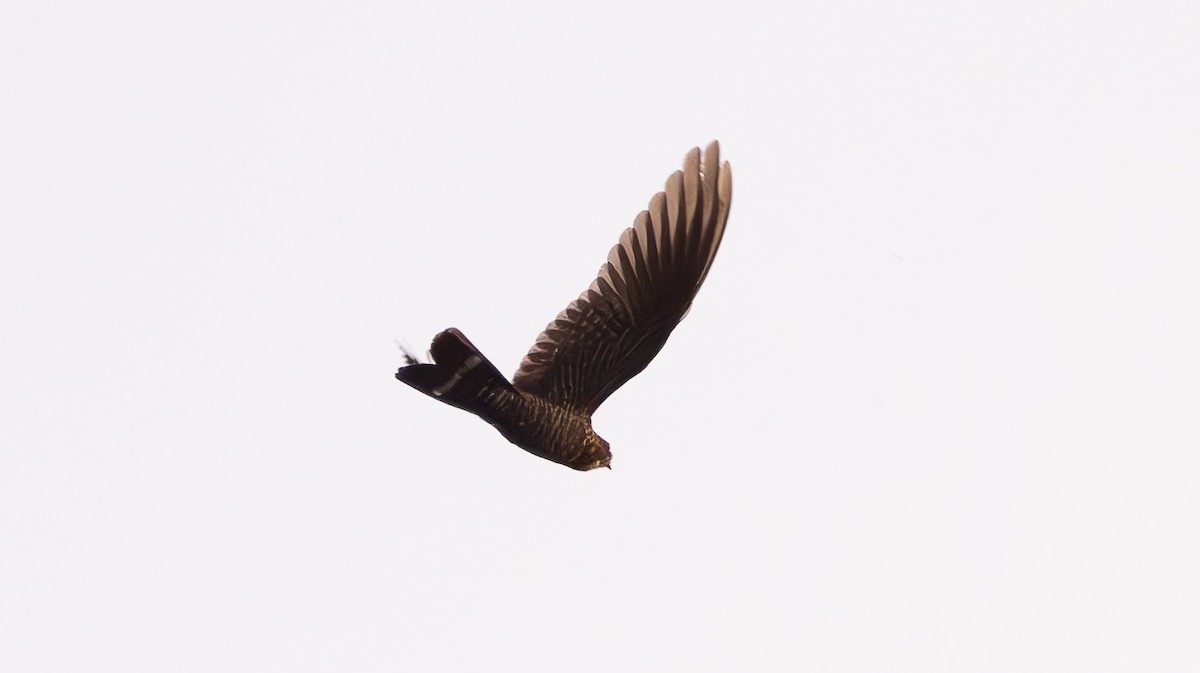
(602, 339)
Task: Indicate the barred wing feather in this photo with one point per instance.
(616, 327)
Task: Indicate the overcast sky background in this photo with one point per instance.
(935, 409)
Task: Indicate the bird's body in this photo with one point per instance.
(551, 431)
(604, 338)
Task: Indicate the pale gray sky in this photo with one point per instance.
(935, 409)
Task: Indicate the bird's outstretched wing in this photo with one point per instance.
(612, 331)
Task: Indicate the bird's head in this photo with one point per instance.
(596, 453)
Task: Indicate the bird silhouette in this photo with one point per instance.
(602, 339)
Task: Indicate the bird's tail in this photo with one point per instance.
(459, 375)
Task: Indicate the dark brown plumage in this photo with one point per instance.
(605, 337)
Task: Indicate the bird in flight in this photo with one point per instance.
(602, 339)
